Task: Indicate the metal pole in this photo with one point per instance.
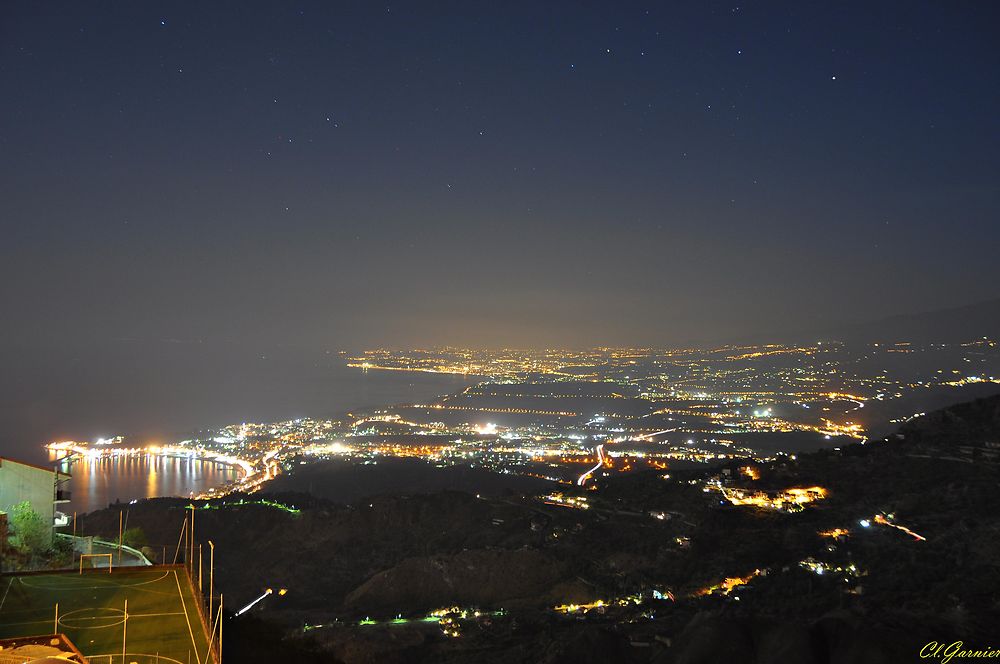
(192, 540)
(120, 516)
(200, 559)
(180, 538)
(74, 524)
(213, 621)
(55, 621)
(211, 575)
(124, 629)
(221, 616)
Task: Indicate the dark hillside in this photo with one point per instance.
(914, 558)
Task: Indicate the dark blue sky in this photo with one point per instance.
(329, 175)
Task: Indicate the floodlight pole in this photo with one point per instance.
(221, 616)
(200, 559)
(211, 575)
(212, 647)
(124, 630)
(192, 540)
(55, 621)
(180, 538)
(120, 516)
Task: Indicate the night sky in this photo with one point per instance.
(345, 175)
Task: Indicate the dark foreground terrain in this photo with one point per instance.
(903, 549)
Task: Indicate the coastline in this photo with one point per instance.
(99, 477)
(358, 389)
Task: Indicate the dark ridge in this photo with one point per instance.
(346, 481)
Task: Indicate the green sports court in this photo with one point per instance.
(163, 626)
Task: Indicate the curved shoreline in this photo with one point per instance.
(97, 485)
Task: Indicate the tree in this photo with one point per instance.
(135, 538)
(31, 534)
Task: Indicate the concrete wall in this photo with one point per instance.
(3, 539)
(20, 482)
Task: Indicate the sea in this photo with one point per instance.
(97, 483)
(172, 391)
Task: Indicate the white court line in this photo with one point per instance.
(194, 646)
(150, 615)
(107, 584)
(46, 621)
(5, 592)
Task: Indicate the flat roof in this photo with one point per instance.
(33, 465)
(30, 648)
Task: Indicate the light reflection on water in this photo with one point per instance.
(97, 482)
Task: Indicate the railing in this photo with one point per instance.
(143, 561)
